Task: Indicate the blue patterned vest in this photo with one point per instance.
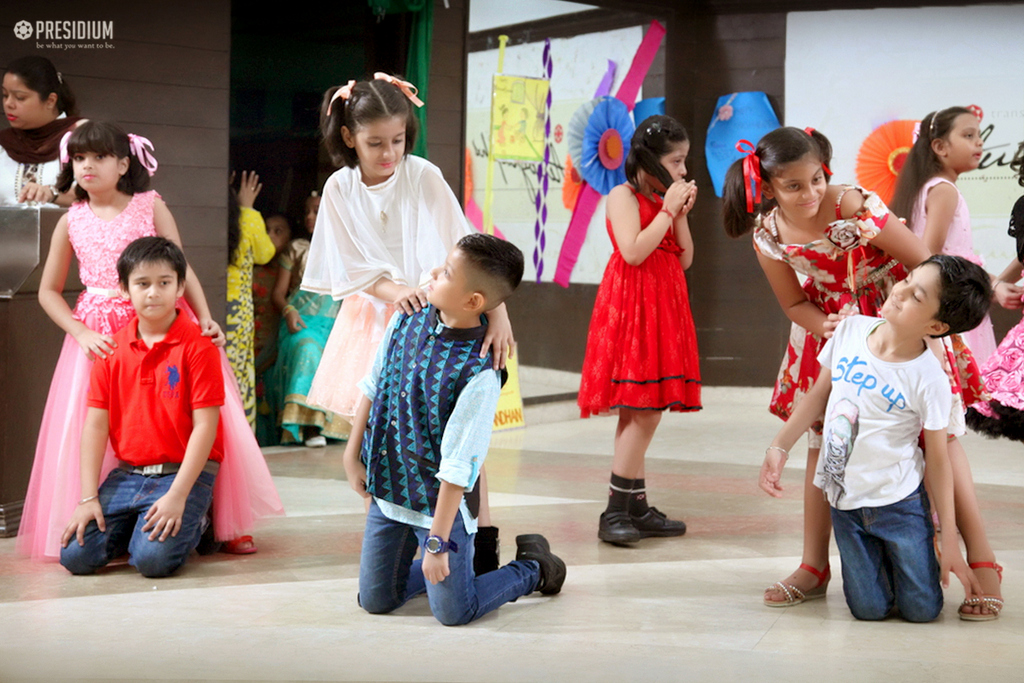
(426, 367)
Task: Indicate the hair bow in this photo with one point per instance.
(824, 166)
(142, 148)
(751, 173)
(407, 88)
(344, 92)
(916, 134)
(64, 147)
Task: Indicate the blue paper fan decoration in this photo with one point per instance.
(605, 144)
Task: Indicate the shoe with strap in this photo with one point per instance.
(795, 596)
(993, 604)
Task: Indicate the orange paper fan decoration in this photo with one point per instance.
(881, 157)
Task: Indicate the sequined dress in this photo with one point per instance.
(244, 489)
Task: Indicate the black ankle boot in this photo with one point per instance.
(552, 569)
(487, 550)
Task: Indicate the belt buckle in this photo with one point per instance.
(153, 469)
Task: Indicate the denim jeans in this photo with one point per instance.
(388, 576)
(889, 559)
(125, 499)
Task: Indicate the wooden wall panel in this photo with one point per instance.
(166, 76)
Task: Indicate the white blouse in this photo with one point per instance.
(399, 229)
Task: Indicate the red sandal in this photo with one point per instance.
(794, 596)
(993, 604)
(243, 545)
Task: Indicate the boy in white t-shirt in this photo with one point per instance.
(882, 385)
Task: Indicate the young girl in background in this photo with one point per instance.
(112, 172)
(386, 219)
(265, 322)
(949, 143)
(1003, 414)
(248, 244)
(641, 356)
(850, 248)
(306, 321)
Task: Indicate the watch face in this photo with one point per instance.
(433, 544)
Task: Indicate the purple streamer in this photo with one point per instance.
(540, 202)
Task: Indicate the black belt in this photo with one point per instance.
(164, 468)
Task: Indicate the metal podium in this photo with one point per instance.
(29, 346)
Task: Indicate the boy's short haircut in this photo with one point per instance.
(965, 295)
(150, 250)
(496, 262)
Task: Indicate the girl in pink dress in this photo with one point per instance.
(949, 143)
(109, 214)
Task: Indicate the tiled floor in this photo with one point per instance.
(686, 609)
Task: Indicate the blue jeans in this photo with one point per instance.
(125, 499)
(889, 559)
(388, 576)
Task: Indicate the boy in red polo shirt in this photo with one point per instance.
(157, 398)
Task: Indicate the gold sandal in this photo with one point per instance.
(993, 604)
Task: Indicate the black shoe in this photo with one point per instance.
(617, 528)
(655, 523)
(552, 570)
(207, 544)
(486, 550)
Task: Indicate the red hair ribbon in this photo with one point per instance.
(751, 173)
(824, 166)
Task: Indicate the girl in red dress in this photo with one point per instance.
(641, 354)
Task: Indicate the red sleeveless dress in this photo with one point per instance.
(642, 345)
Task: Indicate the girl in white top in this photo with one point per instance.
(40, 108)
(386, 219)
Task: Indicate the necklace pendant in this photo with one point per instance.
(383, 219)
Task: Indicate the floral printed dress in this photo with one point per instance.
(843, 267)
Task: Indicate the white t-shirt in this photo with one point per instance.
(870, 455)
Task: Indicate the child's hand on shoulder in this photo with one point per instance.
(833, 319)
(211, 329)
(94, 344)
(435, 567)
(83, 514)
(410, 300)
(1008, 295)
(164, 517)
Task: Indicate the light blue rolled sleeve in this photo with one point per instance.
(467, 436)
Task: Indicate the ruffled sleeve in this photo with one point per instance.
(766, 239)
(848, 233)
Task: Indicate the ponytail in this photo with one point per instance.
(42, 77)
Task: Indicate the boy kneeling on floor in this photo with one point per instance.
(419, 438)
(157, 396)
(881, 384)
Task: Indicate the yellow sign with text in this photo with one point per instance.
(510, 405)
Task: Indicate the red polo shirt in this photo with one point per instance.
(150, 393)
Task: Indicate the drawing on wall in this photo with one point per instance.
(517, 117)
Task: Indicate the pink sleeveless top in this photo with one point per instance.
(958, 239)
(98, 244)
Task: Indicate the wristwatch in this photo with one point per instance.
(435, 546)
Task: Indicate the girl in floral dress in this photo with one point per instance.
(851, 250)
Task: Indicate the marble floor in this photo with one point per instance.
(685, 609)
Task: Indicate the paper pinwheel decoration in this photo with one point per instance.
(881, 157)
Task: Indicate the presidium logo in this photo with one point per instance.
(92, 31)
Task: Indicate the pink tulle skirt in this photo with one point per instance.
(244, 490)
(348, 354)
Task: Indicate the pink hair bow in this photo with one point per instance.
(344, 92)
(916, 134)
(751, 173)
(142, 148)
(407, 88)
(64, 148)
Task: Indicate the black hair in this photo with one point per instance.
(234, 227)
(776, 149)
(369, 101)
(1017, 165)
(921, 163)
(655, 137)
(965, 292)
(41, 76)
(102, 137)
(497, 261)
(150, 250)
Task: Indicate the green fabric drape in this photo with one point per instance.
(417, 68)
